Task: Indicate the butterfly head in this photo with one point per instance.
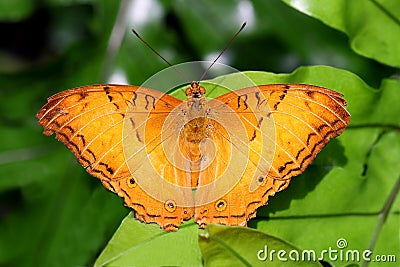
(195, 90)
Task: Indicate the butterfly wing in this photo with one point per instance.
(122, 135)
(286, 126)
(98, 122)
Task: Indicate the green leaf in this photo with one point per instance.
(238, 246)
(373, 26)
(138, 244)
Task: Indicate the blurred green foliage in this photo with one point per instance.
(53, 214)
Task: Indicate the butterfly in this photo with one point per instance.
(216, 160)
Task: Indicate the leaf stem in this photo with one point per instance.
(384, 10)
(376, 125)
(383, 214)
(226, 246)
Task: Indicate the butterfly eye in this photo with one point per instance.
(189, 91)
(202, 90)
(170, 205)
(220, 205)
(131, 182)
(262, 180)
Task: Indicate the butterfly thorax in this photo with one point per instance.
(197, 126)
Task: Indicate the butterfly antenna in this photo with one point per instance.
(223, 50)
(159, 55)
(151, 48)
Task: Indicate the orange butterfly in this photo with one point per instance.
(217, 160)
